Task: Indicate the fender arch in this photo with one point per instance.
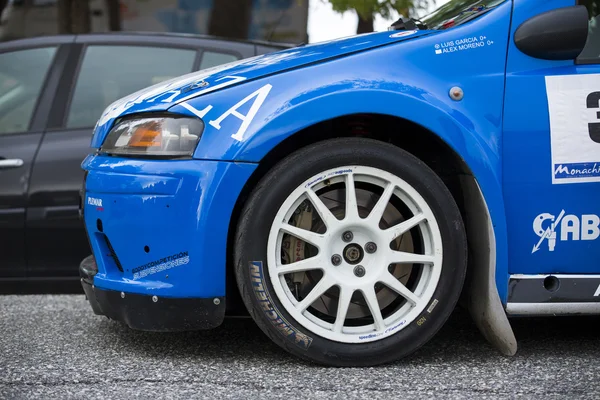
(480, 293)
(473, 138)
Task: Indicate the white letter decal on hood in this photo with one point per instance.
(261, 95)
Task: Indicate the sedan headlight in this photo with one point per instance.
(155, 136)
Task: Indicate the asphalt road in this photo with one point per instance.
(54, 347)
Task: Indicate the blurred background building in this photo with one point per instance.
(273, 20)
(289, 21)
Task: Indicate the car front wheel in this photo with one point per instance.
(350, 252)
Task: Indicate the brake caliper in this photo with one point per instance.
(294, 248)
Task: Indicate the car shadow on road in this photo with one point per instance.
(458, 341)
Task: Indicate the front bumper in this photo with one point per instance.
(150, 313)
(159, 229)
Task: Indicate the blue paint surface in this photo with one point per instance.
(500, 129)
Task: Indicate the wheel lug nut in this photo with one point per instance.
(336, 260)
(371, 247)
(359, 271)
(347, 236)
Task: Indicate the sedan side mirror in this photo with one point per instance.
(554, 35)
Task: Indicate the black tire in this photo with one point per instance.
(255, 224)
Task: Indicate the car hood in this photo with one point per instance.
(166, 94)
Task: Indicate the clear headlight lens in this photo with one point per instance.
(156, 136)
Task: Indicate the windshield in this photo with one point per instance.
(457, 12)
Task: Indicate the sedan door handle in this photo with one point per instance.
(11, 163)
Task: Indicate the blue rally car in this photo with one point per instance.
(348, 193)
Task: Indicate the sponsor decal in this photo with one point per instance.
(275, 58)
(169, 91)
(432, 306)
(574, 110)
(370, 336)
(462, 44)
(314, 180)
(270, 310)
(92, 201)
(386, 332)
(393, 328)
(403, 33)
(160, 265)
(564, 227)
(576, 170)
(258, 97)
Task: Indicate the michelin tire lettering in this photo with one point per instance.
(270, 310)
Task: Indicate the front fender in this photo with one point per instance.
(471, 127)
(409, 80)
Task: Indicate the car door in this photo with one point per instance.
(551, 147)
(100, 74)
(28, 71)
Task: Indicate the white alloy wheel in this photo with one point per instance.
(354, 259)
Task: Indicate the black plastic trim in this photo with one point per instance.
(554, 289)
(558, 34)
(43, 107)
(166, 314)
(66, 84)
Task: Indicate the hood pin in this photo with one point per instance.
(456, 93)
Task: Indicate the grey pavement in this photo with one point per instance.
(53, 347)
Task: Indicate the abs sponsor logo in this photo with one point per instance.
(553, 229)
(160, 265)
(277, 320)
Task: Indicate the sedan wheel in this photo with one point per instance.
(350, 252)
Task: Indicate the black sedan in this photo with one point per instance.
(52, 91)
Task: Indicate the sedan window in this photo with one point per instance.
(22, 75)
(111, 72)
(212, 59)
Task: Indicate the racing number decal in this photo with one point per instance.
(593, 101)
(574, 111)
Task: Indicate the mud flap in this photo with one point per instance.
(483, 300)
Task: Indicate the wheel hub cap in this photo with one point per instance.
(353, 254)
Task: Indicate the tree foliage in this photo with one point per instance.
(367, 9)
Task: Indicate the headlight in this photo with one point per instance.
(156, 136)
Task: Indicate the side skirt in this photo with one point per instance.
(561, 294)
